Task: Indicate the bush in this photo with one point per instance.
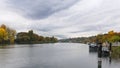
(116, 52)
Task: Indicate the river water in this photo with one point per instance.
(58, 55)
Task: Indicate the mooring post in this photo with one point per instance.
(99, 50)
(110, 51)
(100, 55)
(110, 48)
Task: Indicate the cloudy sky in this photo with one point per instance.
(61, 18)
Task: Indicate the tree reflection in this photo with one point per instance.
(99, 64)
(5, 46)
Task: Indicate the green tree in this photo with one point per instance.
(41, 38)
(30, 33)
(53, 39)
(11, 34)
(30, 37)
(114, 39)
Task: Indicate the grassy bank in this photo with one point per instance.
(116, 52)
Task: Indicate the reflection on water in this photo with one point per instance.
(110, 59)
(100, 61)
(5, 46)
(100, 56)
(99, 64)
(59, 55)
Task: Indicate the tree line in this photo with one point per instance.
(9, 36)
(30, 37)
(110, 36)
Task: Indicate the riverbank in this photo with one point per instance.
(115, 52)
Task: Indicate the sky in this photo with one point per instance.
(61, 18)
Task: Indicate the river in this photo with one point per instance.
(58, 55)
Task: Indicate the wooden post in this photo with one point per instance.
(110, 47)
(100, 55)
(110, 51)
(99, 50)
(110, 60)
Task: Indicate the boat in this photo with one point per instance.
(93, 47)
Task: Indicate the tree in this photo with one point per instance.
(3, 35)
(11, 34)
(53, 39)
(47, 39)
(115, 39)
(111, 32)
(99, 38)
(3, 26)
(30, 33)
(41, 38)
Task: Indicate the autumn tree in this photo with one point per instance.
(3, 35)
(111, 32)
(3, 26)
(9, 34)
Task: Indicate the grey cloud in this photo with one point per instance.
(39, 9)
(93, 28)
(47, 29)
(61, 36)
(87, 29)
(44, 28)
(62, 18)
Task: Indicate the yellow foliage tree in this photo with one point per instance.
(111, 32)
(3, 34)
(7, 34)
(3, 26)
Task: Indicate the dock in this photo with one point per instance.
(105, 50)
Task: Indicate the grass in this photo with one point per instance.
(115, 52)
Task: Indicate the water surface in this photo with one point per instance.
(58, 55)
